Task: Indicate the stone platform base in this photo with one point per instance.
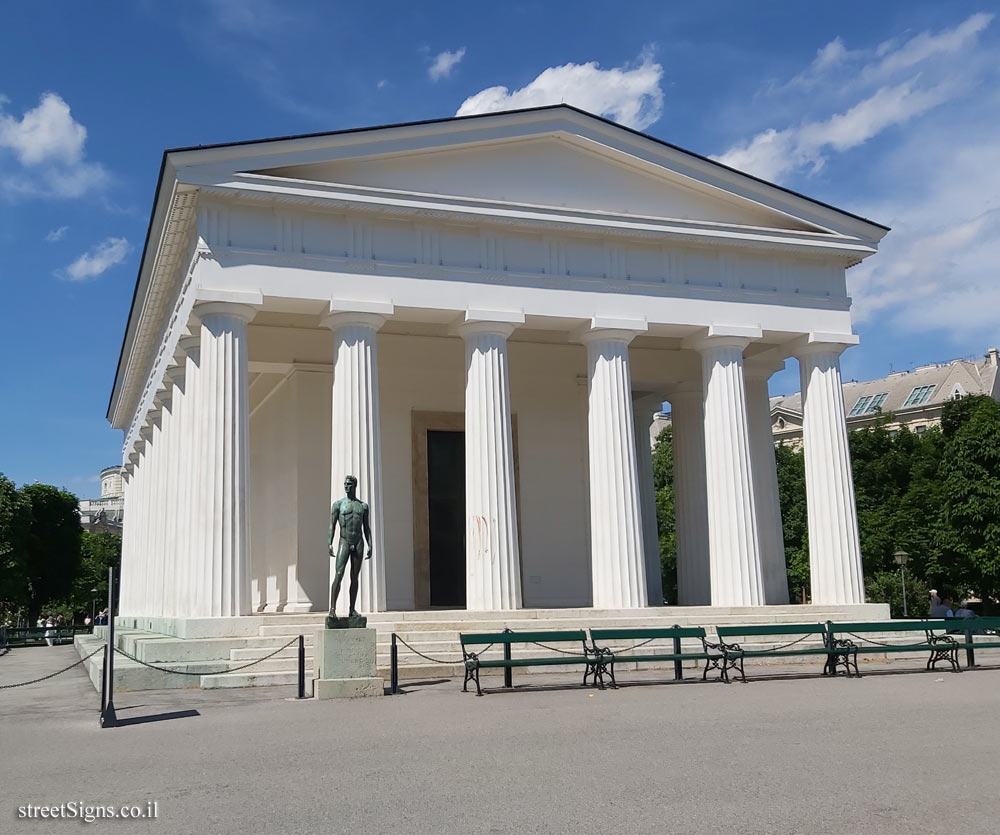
(347, 688)
(345, 664)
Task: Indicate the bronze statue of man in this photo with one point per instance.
(352, 514)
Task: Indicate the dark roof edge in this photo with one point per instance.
(606, 121)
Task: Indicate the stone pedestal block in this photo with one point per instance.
(345, 664)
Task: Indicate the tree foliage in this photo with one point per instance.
(934, 495)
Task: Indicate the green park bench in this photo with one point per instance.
(474, 661)
(835, 653)
(942, 638)
(607, 656)
(23, 636)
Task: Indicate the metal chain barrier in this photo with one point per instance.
(204, 672)
(560, 651)
(880, 644)
(52, 675)
(438, 660)
(789, 644)
(620, 650)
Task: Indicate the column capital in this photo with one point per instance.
(723, 336)
(237, 310)
(479, 321)
(757, 369)
(824, 343)
(346, 319)
(189, 344)
(174, 374)
(611, 329)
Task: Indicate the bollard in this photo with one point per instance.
(393, 667)
(108, 717)
(678, 666)
(302, 667)
(970, 653)
(508, 673)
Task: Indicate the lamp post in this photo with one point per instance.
(901, 557)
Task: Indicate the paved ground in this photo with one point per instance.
(914, 753)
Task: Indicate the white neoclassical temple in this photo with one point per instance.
(478, 318)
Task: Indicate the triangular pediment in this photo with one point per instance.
(548, 171)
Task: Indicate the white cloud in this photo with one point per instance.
(382, 82)
(57, 234)
(773, 154)
(630, 95)
(49, 145)
(868, 95)
(444, 63)
(101, 257)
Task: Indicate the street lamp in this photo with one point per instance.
(901, 557)
(93, 607)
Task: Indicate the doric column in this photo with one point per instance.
(687, 418)
(643, 409)
(150, 587)
(356, 442)
(174, 521)
(765, 481)
(222, 417)
(616, 544)
(188, 504)
(734, 552)
(492, 559)
(164, 511)
(834, 549)
(126, 570)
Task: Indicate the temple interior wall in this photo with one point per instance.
(290, 468)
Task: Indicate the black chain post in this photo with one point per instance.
(393, 667)
(508, 672)
(678, 664)
(970, 652)
(108, 717)
(302, 667)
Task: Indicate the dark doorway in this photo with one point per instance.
(446, 517)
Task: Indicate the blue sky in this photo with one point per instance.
(889, 110)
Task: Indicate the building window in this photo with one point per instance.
(781, 423)
(919, 396)
(868, 404)
(921, 429)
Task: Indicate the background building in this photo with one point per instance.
(107, 512)
(914, 399)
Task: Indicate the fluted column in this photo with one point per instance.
(151, 587)
(223, 547)
(734, 551)
(765, 481)
(492, 559)
(189, 509)
(174, 522)
(126, 569)
(644, 409)
(141, 554)
(616, 545)
(356, 443)
(687, 417)
(834, 550)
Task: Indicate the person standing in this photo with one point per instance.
(50, 630)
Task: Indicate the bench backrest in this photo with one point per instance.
(894, 626)
(642, 634)
(765, 629)
(541, 637)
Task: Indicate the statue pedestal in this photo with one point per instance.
(345, 664)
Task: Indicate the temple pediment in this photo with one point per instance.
(556, 171)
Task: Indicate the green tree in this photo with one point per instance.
(53, 545)
(969, 531)
(794, 524)
(666, 523)
(15, 524)
(98, 551)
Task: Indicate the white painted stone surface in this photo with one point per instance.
(834, 550)
(765, 485)
(618, 561)
(694, 579)
(734, 551)
(493, 568)
(356, 439)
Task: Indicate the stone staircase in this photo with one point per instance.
(434, 633)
